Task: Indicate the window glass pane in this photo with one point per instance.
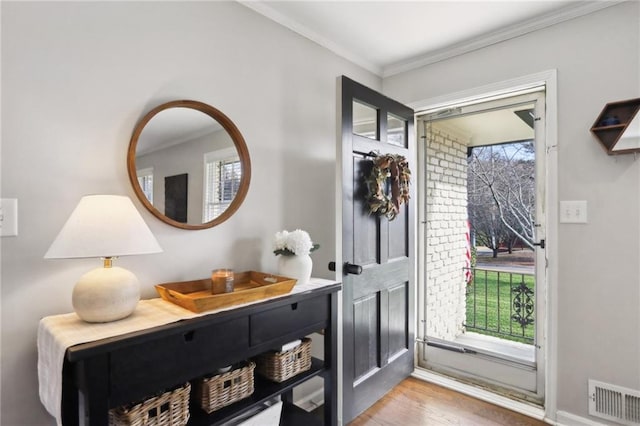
(396, 130)
(222, 183)
(365, 120)
(145, 180)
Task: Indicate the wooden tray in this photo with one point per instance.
(248, 287)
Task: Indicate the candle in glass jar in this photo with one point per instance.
(222, 281)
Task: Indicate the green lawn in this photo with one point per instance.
(493, 308)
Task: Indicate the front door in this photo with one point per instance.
(377, 253)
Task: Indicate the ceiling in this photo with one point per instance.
(389, 37)
(174, 126)
(496, 126)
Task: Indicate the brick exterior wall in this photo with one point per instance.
(446, 217)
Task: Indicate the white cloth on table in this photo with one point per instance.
(59, 332)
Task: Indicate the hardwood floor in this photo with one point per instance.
(415, 403)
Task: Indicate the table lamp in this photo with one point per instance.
(105, 226)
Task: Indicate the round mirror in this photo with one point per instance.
(189, 164)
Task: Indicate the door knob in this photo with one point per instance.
(352, 269)
(348, 268)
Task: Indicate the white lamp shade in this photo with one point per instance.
(103, 226)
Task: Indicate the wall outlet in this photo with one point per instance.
(8, 217)
(573, 211)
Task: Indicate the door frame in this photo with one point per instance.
(493, 366)
(487, 92)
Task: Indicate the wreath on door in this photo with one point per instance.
(393, 170)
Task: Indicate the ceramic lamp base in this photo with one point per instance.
(106, 294)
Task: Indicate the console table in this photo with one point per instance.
(130, 367)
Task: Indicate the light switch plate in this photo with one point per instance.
(8, 217)
(573, 211)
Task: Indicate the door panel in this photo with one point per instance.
(379, 278)
(365, 231)
(398, 337)
(378, 303)
(398, 241)
(365, 321)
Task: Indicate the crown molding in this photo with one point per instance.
(576, 10)
(570, 12)
(264, 9)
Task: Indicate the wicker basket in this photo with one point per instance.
(168, 409)
(221, 390)
(280, 366)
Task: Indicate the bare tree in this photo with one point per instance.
(484, 217)
(502, 194)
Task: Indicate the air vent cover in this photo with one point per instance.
(615, 403)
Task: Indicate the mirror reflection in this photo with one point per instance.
(630, 138)
(187, 164)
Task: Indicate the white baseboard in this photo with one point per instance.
(484, 395)
(568, 419)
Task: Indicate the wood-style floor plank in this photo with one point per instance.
(415, 403)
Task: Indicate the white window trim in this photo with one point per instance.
(144, 172)
(210, 157)
(148, 171)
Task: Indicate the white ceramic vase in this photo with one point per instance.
(298, 267)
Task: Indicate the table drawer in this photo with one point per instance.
(277, 322)
(150, 366)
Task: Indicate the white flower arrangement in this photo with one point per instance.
(293, 243)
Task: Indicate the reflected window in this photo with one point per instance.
(396, 130)
(145, 180)
(222, 174)
(365, 120)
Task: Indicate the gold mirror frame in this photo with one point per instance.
(238, 141)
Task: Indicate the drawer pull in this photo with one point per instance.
(188, 336)
(294, 306)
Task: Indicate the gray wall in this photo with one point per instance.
(76, 78)
(597, 294)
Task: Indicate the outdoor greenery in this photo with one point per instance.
(501, 195)
(489, 297)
